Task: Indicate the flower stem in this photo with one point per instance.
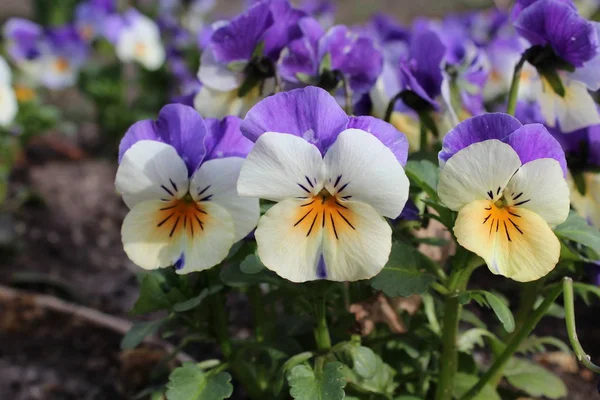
(255, 297)
(514, 342)
(390, 108)
(423, 133)
(321, 330)
(220, 324)
(514, 86)
(569, 303)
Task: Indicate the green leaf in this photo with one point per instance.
(534, 344)
(584, 291)
(138, 333)
(464, 382)
(325, 63)
(195, 301)
(425, 175)
(499, 307)
(232, 275)
(289, 364)
(306, 385)
(365, 361)
(534, 379)
(152, 295)
(189, 382)
(474, 337)
(576, 228)
(402, 275)
(252, 265)
(470, 318)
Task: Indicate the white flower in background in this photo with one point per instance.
(138, 39)
(8, 99)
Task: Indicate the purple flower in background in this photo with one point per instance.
(324, 59)
(178, 176)
(51, 57)
(90, 17)
(322, 10)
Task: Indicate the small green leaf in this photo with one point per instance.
(289, 364)
(152, 296)
(325, 63)
(584, 291)
(365, 361)
(464, 382)
(305, 385)
(534, 379)
(232, 275)
(499, 307)
(402, 275)
(138, 333)
(576, 228)
(195, 301)
(474, 337)
(425, 175)
(251, 265)
(189, 382)
(259, 49)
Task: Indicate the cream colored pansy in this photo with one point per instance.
(8, 99)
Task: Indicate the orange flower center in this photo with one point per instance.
(61, 64)
(181, 216)
(324, 211)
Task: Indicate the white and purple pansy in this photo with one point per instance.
(507, 182)
(334, 179)
(178, 176)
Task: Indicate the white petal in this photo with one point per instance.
(151, 170)
(539, 186)
(211, 103)
(576, 110)
(5, 73)
(209, 246)
(516, 243)
(360, 166)
(477, 172)
(153, 56)
(148, 245)
(588, 204)
(8, 105)
(289, 240)
(281, 166)
(216, 181)
(356, 242)
(216, 75)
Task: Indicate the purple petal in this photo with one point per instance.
(477, 129)
(386, 133)
(589, 73)
(552, 22)
(300, 56)
(527, 112)
(533, 141)
(427, 53)
(24, 39)
(310, 113)
(387, 29)
(224, 138)
(285, 28)
(410, 82)
(178, 125)
(237, 40)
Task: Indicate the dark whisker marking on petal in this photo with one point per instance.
(517, 196)
(323, 223)
(486, 218)
(168, 208)
(200, 210)
(323, 198)
(488, 208)
(516, 215)
(346, 219)
(301, 197)
(185, 222)
(497, 224)
(199, 222)
(303, 188)
(301, 219)
(491, 194)
(309, 182)
(206, 198)
(341, 205)
(343, 187)
(337, 181)
(523, 202)
(307, 204)
(173, 184)
(167, 190)
(313, 224)
(333, 224)
(192, 227)
(491, 226)
(174, 226)
(165, 199)
(164, 220)
(516, 226)
(203, 190)
(506, 230)
(498, 191)
(346, 197)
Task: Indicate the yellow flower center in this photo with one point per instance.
(324, 211)
(61, 64)
(502, 218)
(181, 216)
(140, 49)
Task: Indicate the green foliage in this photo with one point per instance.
(425, 175)
(197, 300)
(534, 379)
(189, 382)
(155, 294)
(288, 365)
(403, 275)
(499, 307)
(139, 331)
(233, 275)
(576, 229)
(464, 382)
(307, 384)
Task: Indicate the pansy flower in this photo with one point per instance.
(327, 58)
(91, 15)
(334, 179)
(506, 180)
(51, 57)
(8, 99)
(322, 10)
(178, 176)
(136, 38)
(238, 65)
(566, 54)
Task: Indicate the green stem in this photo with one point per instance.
(390, 108)
(513, 343)
(514, 87)
(569, 303)
(255, 297)
(423, 136)
(321, 330)
(220, 324)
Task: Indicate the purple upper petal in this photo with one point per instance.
(301, 55)
(24, 39)
(310, 113)
(224, 138)
(237, 40)
(557, 24)
(386, 133)
(284, 29)
(533, 141)
(178, 125)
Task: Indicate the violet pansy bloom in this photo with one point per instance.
(178, 176)
(322, 10)
(90, 17)
(238, 65)
(334, 179)
(320, 57)
(559, 35)
(506, 180)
